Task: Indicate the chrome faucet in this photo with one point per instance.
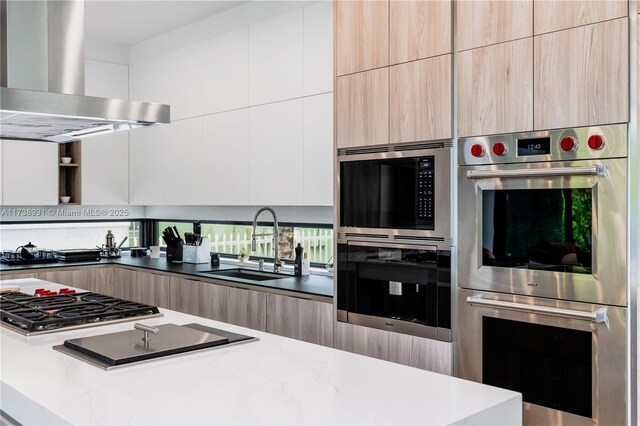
(276, 260)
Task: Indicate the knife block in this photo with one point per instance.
(197, 254)
(174, 253)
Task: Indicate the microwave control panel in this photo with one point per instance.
(426, 193)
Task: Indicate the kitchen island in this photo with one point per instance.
(274, 380)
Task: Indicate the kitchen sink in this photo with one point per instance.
(248, 274)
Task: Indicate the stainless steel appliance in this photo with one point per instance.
(568, 359)
(396, 192)
(42, 313)
(42, 78)
(395, 287)
(542, 303)
(544, 214)
(145, 343)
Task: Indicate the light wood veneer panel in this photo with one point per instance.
(300, 319)
(484, 22)
(418, 29)
(581, 76)
(495, 89)
(420, 100)
(362, 35)
(559, 15)
(427, 354)
(362, 340)
(247, 308)
(362, 108)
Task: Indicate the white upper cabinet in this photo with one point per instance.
(318, 48)
(105, 159)
(105, 170)
(275, 58)
(175, 78)
(166, 164)
(275, 154)
(318, 150)
(148, 171)
(184, 163)
(226, 158)
(106, 80)
(29, 173)
(226, 68)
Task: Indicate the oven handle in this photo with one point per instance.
(598, 316)
(553, 171)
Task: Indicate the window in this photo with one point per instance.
(232, 238)
(67, 235)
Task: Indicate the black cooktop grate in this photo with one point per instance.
(32, 313)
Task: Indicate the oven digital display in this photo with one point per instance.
(537, 146)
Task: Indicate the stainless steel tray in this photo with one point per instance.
(125, 348)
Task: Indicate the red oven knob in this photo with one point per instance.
(499, 148)
(569, 143)
(477, 150)
(596, 142)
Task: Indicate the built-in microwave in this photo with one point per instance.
(400, 190)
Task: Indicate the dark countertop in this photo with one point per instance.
(318, 285)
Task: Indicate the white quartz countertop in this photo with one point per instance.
(275, 380)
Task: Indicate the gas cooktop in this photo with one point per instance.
(47, 313)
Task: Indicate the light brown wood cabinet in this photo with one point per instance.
(362, 109)
(418, 352)
(559, 15)
(420, 100)
(361, 35)
(300, 319)
(418, 29)
(581, 76)
(495, 89)
(247, 308)
(486, 22)
(97, 280)
(362, 340)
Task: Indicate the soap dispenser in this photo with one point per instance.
(306, 266)
(297, 267)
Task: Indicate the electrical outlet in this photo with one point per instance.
(395, 288)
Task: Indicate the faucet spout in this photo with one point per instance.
(276, 259)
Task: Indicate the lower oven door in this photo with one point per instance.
(567, 359)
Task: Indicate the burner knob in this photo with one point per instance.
(568, 143)
(596, 142)
(499, 148)
(477, 150)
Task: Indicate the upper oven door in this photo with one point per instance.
(554, 229)
(400, 192)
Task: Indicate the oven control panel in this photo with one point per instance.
(552, 145)
(426, 194)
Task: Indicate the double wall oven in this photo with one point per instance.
(394, 244)
(542, 271)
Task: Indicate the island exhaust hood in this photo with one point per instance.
(42, 78)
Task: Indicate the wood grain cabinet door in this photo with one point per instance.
(559, 15)
(485, 22)
(420, 100)
(300, 319)
(495, 89)
(418, 29)
(362, 35)
(362, 109)
(582, 76)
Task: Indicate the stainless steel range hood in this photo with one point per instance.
(42, 78)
